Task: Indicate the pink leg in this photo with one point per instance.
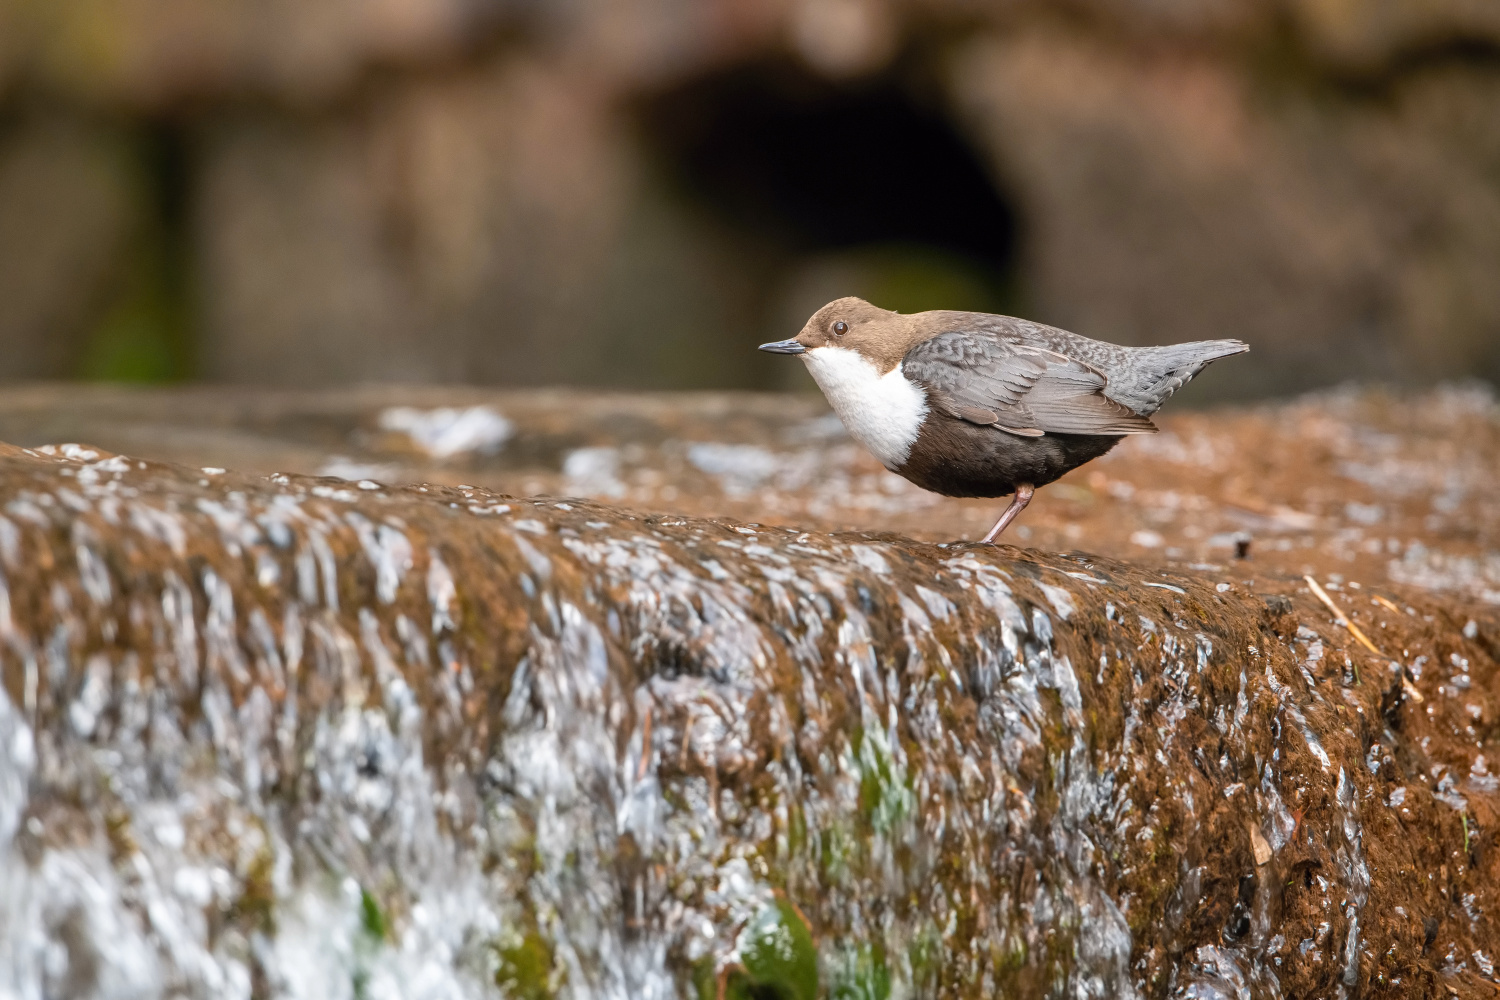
(1018, 504)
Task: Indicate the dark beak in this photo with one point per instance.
(784, 347)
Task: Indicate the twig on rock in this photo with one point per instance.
(1354, 630)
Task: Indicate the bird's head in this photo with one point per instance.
(880, 336)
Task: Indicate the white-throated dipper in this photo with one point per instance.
(971, 404)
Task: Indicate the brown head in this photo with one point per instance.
(881, 336)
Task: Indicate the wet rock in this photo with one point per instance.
(1113, 149)
(298, 736)
(453, 182)
(1278, 605)
(1359, 487)
(65, 214)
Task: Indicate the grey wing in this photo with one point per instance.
(985, 379)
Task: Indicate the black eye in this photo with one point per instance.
(840, 328)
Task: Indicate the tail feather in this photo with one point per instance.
(1158, 372)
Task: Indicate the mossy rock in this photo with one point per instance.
(778, 959)
(525, 971)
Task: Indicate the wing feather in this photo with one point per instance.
(985, 379)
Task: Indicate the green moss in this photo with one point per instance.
(371, 919)
(256, 905)
(836, 850)
(796, 834)
(135, 341)
(777, 958)
(705, 979)
(885, 797)
(376, 933)
(525, 970)
(924, 955)
(862, 974)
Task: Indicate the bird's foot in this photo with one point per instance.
(1024, 492)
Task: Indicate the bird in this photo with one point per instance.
(972, 404)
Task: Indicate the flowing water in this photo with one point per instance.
(293, 737)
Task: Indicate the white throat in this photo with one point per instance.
(882, 412)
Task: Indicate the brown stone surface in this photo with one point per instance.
(1367, 484)
(66, 213)
(1191, 196)
(296, 734)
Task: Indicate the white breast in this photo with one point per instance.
(882, 412)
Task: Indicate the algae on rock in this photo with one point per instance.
(301, 737)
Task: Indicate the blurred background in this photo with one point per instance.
(633, 193)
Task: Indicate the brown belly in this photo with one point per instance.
(960, 459)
